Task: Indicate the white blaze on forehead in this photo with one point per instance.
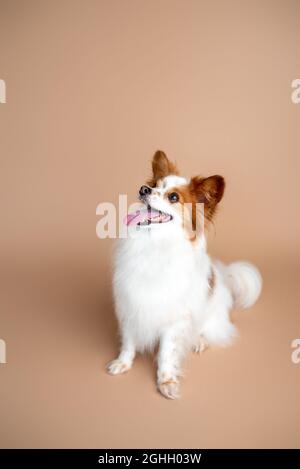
(173, 181)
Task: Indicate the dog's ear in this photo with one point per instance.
(162, 167)
(208, 191)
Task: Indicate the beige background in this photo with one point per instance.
(93, 89)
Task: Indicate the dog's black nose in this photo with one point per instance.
(144, 191)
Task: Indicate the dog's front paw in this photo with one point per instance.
(117, 366)
(169, 388)
(201, 346)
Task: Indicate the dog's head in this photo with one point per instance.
(172, 201)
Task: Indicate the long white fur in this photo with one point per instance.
(163, 297)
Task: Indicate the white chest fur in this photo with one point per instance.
(157, 281)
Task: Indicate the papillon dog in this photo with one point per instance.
(170, 296)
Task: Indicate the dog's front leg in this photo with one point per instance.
(125, 359)
(172, 349)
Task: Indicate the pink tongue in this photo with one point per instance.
(140, 216)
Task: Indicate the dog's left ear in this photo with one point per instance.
(162, 167)
(208, 191)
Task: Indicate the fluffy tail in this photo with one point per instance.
(245, 283)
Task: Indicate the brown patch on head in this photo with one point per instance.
(161, 167)
(186, 206)
(189, 209)
(197, 202)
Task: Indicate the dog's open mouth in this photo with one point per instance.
(147, 216)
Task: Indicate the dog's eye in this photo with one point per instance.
(173, 197)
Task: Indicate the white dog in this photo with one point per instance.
(167, 290)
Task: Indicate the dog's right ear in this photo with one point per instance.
(161, 167)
